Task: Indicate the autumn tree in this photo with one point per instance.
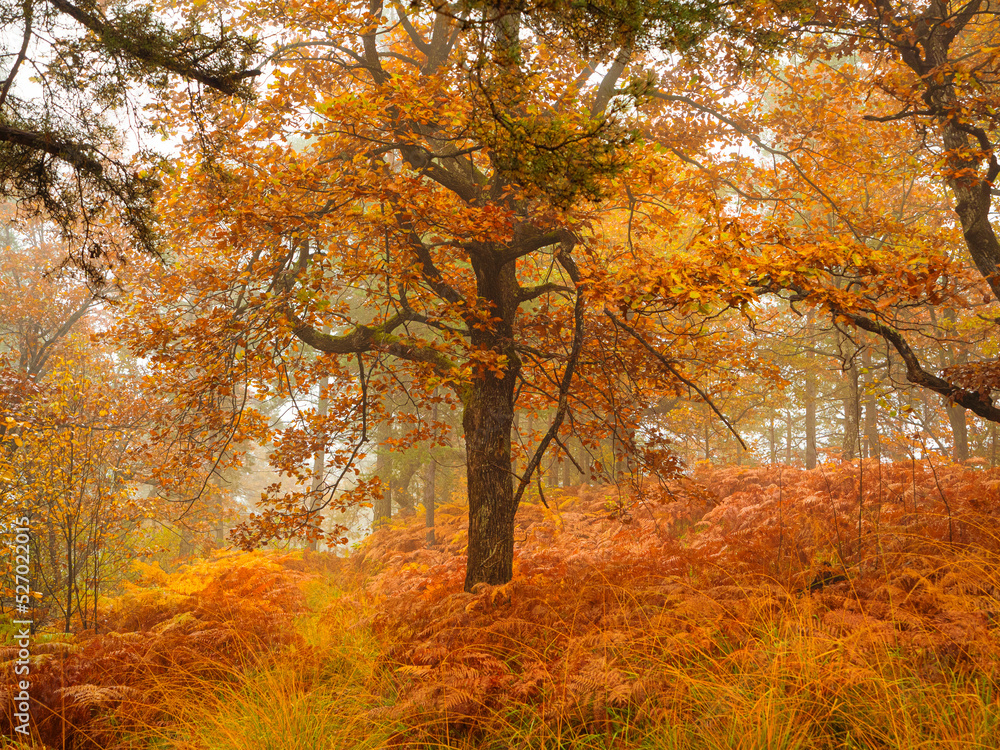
(883, 104)
(71, 422)
(458, 200)
(938, 69)
(920, 79)
(39, 308)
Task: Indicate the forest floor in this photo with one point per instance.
(740, 608)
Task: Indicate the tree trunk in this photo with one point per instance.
(402, 476)
(959, 433)
(319, 458)
(708, 452)
(186, 546)
(429, 498)
(956, 414)
(383, 468)
(871, 410)
(488, 421)
(810, 404)
(788, 438)
(70, 584)
(851, 399)
(618, 451)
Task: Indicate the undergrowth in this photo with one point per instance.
(744, 608)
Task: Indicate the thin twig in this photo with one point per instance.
(669, 364)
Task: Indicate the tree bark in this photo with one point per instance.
(872, 440)
(851, 399)
(429, 500)
(810, 404)
(788, 438)
(959, 433)
(402, 476)
(383, 468)
(552, 475)
(588, 465)
(429, 497)
(488, 421)
(319, 457)
(951, 355)
(186, 546)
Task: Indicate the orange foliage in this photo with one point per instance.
(615, 602)
(207, 620)
(606, 592)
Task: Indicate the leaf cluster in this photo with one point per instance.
(602, 26)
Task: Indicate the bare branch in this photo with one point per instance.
(532, 292)
(29, 8)
(758, 141)
(906, 113)
(915, 372)
(669, 364)
(567, 262)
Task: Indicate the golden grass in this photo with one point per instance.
(784, 681)
(642, 645)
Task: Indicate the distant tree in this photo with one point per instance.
(70, 419)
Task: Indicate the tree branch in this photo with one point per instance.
(898, 116)
(365, 338)
(428, 270)
(669, 364)
(165, 49)
(606, 89)
(758, 141)
(29, 8)
(532, 292)
(915, 372)
(566, 260)
(71, 152)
